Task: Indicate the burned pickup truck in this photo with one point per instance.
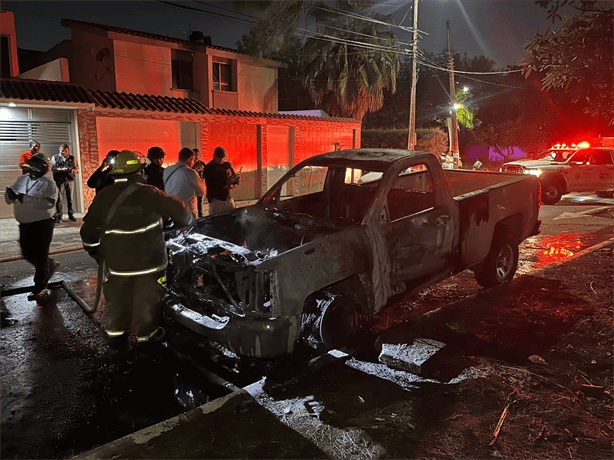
(335, 238)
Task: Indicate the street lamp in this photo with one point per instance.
(411, 141)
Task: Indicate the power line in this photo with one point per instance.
(368, 19)
(199, 11)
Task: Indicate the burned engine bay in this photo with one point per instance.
(214, 263)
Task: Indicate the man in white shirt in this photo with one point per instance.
(34, 196)
(182, 181)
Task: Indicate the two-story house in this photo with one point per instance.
(150, 90)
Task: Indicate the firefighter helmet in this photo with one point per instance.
(38, 165)
(127, 162)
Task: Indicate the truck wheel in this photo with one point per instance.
(339, 323)
(551, 193)
(605, 194)
(330, 320)
(500, 264)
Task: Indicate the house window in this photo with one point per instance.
(182, 69)
(222, 76)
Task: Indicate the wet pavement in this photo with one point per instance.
(66, 392)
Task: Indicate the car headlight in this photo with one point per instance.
(534, 172)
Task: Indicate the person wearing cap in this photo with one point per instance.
(182, 181)
(101, 177)
(154, 171)
(220, 178)
(64, 166)
(123, 232)
(34, 196)
(35, 148)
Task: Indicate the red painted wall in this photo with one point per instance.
(105, 129)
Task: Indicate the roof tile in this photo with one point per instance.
(40, 90)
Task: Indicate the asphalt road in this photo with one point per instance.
(64, 390)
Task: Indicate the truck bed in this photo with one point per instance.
(470, 182)
(485, 198)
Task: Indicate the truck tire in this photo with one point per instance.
(500, 264)
(605, 194)
(331, 320)
(339, 323)
(551, 192)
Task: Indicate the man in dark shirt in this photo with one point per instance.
(199, 167)
(220, 177)
(64, 167)
(101, 178)
(154, 170)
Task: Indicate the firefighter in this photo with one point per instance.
(123, 231)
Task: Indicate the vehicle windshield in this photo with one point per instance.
(338, 193)
(556, 155)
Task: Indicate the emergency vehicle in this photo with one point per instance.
(577, 168)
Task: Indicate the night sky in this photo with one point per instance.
(494, 28)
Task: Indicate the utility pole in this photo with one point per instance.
(452, 121)
(411, 141)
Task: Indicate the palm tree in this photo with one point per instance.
(349, 63)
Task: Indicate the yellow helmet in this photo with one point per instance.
(127, 162)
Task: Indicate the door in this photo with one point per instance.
(584, 172)
(604, 161)
(278, 155)
(419, 233)
(15, 137)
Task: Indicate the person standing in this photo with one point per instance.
(220, 178)
(101, 178)
(199, 167)
(182, 181)
(35, 148)
(64, 167)
(123, 232)
(154, 170)
(34, 196)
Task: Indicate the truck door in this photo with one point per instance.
(584, 172)
(418, 232)
(605, 165)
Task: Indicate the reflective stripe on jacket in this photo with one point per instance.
(132, 244)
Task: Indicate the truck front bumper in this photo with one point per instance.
(245, 336)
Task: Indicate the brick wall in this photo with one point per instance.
(238, 134)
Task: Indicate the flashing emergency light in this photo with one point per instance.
(584, 145)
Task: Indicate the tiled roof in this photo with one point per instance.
(136, 33)
(129, 101)
(39, 90)
(51, 91)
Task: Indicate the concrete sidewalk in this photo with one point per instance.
(233, 426)
(65, 238)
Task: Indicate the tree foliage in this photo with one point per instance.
(345, 66)
(577, 59)
(273, 35)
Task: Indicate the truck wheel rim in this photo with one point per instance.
(551, 192)
(339, 322)
(505, 262)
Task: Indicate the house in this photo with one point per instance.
(127, 61)
(138, 90)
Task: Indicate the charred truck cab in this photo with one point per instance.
(334, 239)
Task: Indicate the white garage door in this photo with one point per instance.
(15, 137)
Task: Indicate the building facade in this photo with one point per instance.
(134, 90)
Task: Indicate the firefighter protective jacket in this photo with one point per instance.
(132, 243)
